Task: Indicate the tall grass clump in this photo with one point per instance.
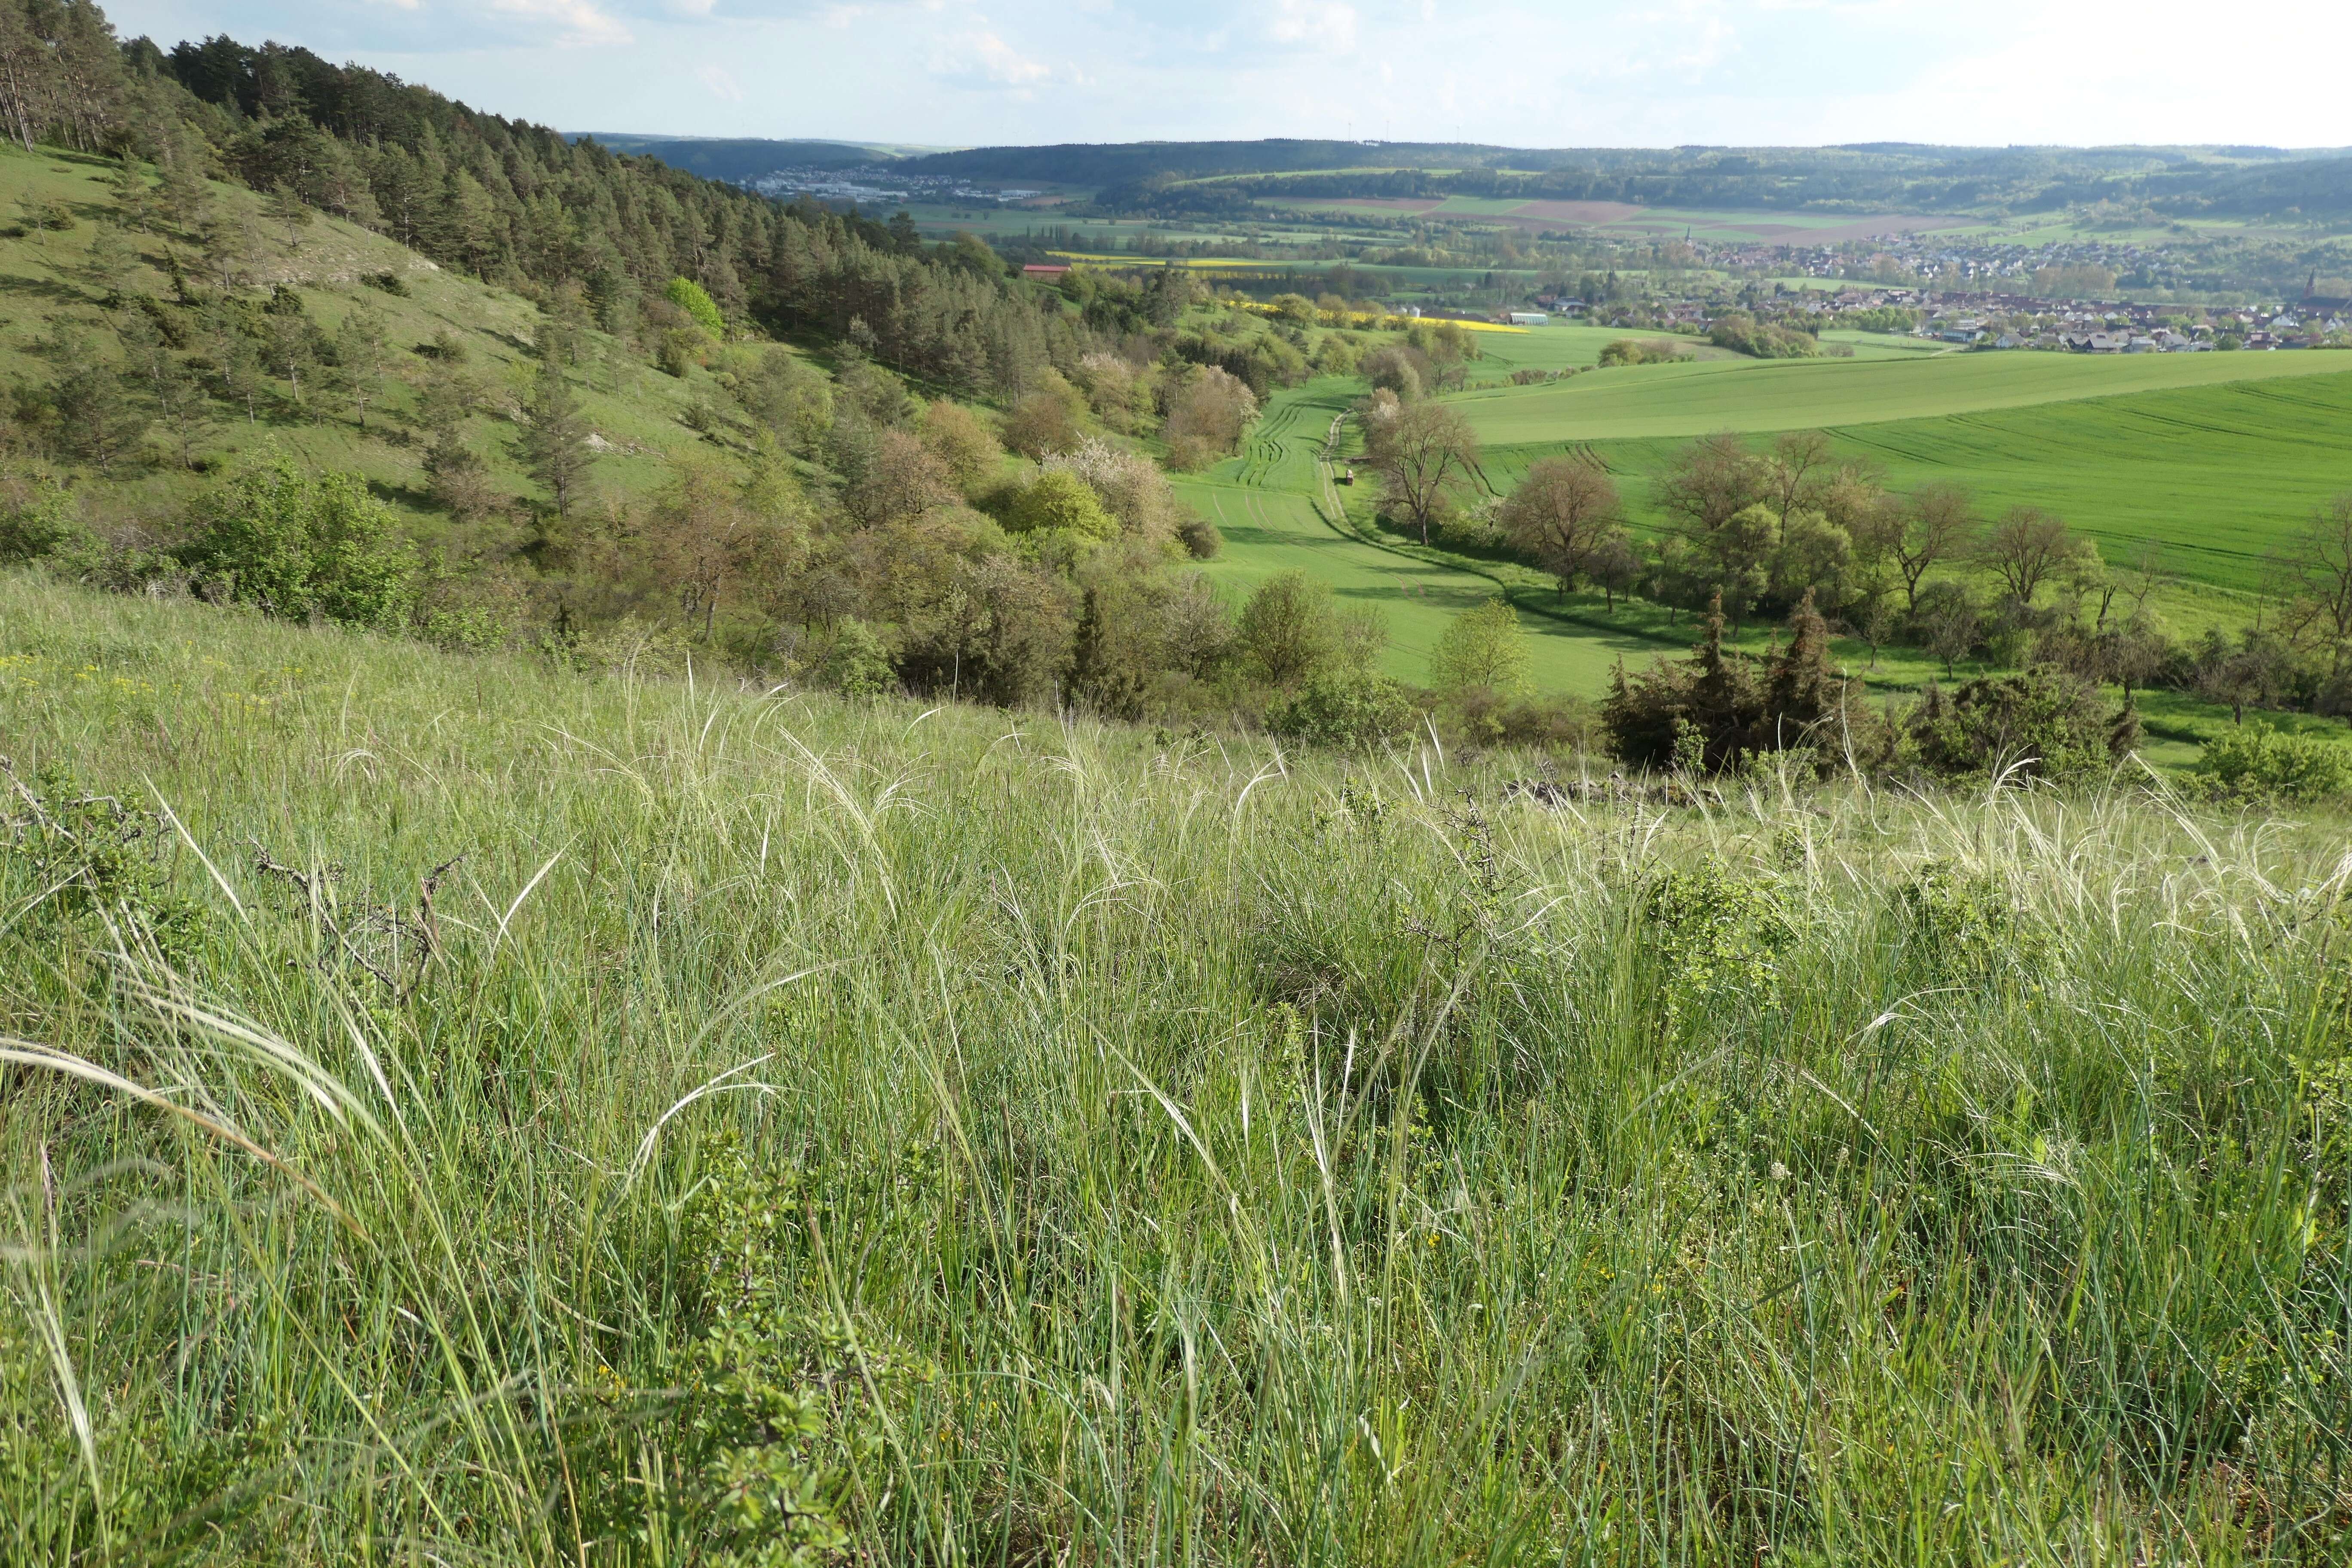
(455, 1112)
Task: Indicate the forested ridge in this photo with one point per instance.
(1212, 177)
(514, 204)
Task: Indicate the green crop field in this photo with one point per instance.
(1562, 346)
(1795, 395)
(2215, 475)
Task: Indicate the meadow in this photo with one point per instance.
(808, 1131)
(1276, 510)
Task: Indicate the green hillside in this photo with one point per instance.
(64, 278)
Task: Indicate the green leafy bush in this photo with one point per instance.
(779, 1395)
(1962, 923)
(856, 663)
(90, 856)
(2259, 761)
(696, 302)
(1057, 500)
(298, 544)
(1627, 351)
(1743, 333)
(1344, 707)
(37, 525)
(2043, 722)
(1717, 937)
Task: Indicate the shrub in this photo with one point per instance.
(1049, 420)
(100, 859)
(298, 544)
(1743, 333)
(2043, 722)
(1718, 707)
(1485, 647)
(1625, 351)
(2258, 762)
(1963, 924)
(1200, 537)
(855, 664)
(1131, 488)
(1289, 628)
(1207, 415)
(680, 349)
(1348, 708)
(1059, 499)
(696, 302)
(37, 525)
(391, 283)
(1717, 938)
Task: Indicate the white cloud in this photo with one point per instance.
(1317, 23)
(983, 58)
(1538, 73)
(721, 83)
(575, 21)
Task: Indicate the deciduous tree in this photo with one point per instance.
(1564, 515)
(1426, 455)
(2029, 547)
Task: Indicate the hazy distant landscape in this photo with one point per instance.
(748, 851)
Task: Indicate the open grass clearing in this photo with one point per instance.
(46, 278)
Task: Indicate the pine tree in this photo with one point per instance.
(240, 370)
(134, 199)
(359, 358)
(554, 445)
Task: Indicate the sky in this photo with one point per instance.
(1573, 73)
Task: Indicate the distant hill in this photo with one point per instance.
(1166, 177)
(740, 158)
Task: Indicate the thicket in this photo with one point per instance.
(1744, 333)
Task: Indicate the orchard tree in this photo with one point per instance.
(2317, 571)
(1939, 524)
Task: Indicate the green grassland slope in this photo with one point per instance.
(939, 1135)
(47, 278)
